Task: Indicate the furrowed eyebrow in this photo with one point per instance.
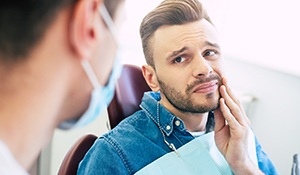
(212, 44)
(176, 52)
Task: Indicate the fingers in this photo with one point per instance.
(219, 120)
(231, 107)
(231, 94)
(227, 113)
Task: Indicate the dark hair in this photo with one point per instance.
(169, 12)
(22, 25)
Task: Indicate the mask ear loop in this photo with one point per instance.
(109, 22)
(87, 67)
(111, 27)
(89, 72)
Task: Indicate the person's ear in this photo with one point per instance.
(83, 27)
(150, 77)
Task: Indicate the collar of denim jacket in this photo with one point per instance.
(163, 118)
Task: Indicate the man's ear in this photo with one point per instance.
(150, 77)
(83, 27)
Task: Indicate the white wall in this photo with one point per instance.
(275, 115)
(262, 32)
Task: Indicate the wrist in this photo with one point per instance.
(246, 168)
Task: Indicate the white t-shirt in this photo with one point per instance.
(8, 164)
(197, 133)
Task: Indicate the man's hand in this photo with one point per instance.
(231, 132)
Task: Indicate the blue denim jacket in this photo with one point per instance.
(138, 140)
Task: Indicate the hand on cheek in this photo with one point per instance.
(231, 131)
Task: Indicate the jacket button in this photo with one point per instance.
(177, 122)
(168, 127)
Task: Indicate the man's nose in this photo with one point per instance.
(202, 67)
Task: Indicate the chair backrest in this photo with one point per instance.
(76, 153)
(129, 92)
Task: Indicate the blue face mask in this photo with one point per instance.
(101, 95)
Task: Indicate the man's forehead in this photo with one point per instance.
(174, 37)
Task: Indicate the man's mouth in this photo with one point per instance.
(207, 87)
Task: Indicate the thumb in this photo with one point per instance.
(219, 120)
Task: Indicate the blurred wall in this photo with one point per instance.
(275, 114)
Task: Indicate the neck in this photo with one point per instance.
(29, 102)
(193, 122)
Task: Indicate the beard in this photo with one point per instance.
(183, 101)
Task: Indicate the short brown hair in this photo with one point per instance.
(169, 12)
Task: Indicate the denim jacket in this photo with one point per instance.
(141, 138)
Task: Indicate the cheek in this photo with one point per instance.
(102, 66)
(177, 81)
(218, 67)
(180, 82)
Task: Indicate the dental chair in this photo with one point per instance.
(76, 153)
(129, 91)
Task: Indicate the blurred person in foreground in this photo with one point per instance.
(57, 69)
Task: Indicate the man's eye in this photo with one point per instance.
(179, 60)
(209, 53)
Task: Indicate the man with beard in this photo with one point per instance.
(191, 99)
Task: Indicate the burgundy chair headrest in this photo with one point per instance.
(129, 92)
(75, 154)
